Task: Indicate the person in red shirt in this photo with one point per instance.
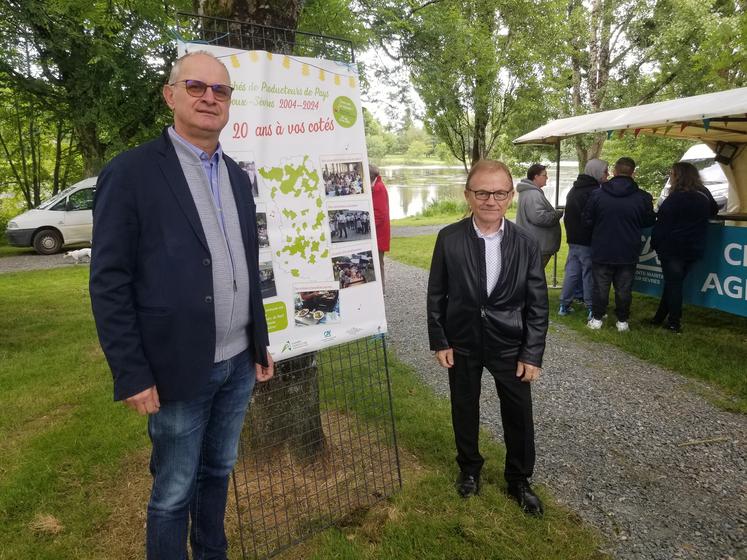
(381, 215)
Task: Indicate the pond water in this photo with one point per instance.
(412, 187)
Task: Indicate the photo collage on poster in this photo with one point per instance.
(348, 217)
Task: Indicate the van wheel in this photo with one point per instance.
(47, 242)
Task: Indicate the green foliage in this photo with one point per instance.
(38, 157)
(334, 18)
(379, 141)
(653, 155)
(416, 150)
(447, 207)
(98, 64)
(10, 207)
(442, 152)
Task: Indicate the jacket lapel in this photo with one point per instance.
(174, 176)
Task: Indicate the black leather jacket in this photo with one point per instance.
(512, 321)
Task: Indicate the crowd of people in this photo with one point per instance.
(342, 183)
(604, 219)
(352, 275)
(345, 223)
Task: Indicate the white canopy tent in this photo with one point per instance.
(710, 118)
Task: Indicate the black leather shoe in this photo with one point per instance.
(528, 500)
(676, 329)
(468, 485)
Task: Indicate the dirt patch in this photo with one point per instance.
(280, 500)
(123, 536)
(45, 524)
(283, 499)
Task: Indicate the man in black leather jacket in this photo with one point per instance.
(488, 308)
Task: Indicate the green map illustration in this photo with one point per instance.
(299, 210)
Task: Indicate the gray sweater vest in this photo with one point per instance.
(229, 268)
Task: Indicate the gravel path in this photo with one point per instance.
(21, 263)
(619, 441)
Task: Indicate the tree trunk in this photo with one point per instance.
(597, 76)
(91, 148)
(285, 410)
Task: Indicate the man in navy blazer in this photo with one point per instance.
(177, 301)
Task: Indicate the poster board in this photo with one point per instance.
(296, 128)
(718, 280)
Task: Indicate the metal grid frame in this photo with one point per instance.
(253, 36)
(318, 474)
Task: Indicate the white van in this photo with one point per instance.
(64, 219)
(702, 157)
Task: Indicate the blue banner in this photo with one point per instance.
(718, 280)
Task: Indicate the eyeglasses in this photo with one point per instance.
(485, 195)
(196, 88)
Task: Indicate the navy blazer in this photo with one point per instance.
(151, 278)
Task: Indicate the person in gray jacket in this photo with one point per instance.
(536, 214)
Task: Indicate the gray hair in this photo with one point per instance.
(596, 168)
(177, 68)
(373, 171)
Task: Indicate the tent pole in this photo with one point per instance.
(557, 203)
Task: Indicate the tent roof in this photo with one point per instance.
(710, 117)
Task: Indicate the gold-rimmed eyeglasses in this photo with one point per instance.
(196, 88)
(500, 196)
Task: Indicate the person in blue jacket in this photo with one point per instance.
(177, 301)
(616, 213)
(679, 238)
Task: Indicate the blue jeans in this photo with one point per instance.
(195, 446)
(621, 277)
(577, 271)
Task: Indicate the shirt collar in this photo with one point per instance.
(498, 233)
(199, 152)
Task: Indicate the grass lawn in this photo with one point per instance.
(712, 347)
(438, 214)
(74, 480)
(9, 251)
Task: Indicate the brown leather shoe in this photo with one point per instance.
(528, 500)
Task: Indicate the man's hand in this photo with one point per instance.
(265, 373)
(527, 372)
(445, 357)
(145, 402)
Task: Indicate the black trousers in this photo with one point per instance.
(465, 383)
(621, 277)
(670, 306)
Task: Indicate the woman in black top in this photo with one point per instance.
(679, 237)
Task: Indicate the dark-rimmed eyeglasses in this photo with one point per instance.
(196, 88)
(500, 196)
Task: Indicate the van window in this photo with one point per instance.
(80, 200)
(701, 164)
(60, 206)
